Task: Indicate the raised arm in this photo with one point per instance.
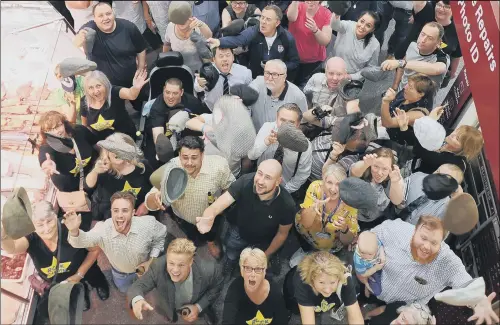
(13, 246)
(140, 79)
(293, 11)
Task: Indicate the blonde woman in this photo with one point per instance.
(103, 107)
(324, 221)
(321, 283)
(251, 297)
(121, 167)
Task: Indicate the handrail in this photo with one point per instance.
(36, 26)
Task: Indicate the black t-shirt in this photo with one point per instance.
(115, 53)
(107, 119)
(107, 184)
(46, 261)
(450, 44)
(390, 314)
(66, 163)
(304, 295)
(258, 221)
(239, 309)
(428, 162)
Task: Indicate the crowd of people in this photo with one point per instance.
(270, 143)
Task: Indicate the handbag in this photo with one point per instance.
(77, 201)
(40, 285)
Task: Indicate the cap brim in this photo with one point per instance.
(157, 176)
(56, 143)
(21, 193)
(176, 184)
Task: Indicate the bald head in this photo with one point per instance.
(367, 244)
(335, 72)
(267, 178)
(271, 167)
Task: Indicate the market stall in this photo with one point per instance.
(34, 39)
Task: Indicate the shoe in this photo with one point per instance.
(275, 264)
(209, 316)
(86, 297)
(103, 292)
(214, 250)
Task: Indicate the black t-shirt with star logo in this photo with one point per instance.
(46, 261)
(239, 309)
(67, 164)
(107, 184)
(305, 296)
(107, 119)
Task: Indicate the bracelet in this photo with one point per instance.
(330, 157)
(79, 274)
(317, 29)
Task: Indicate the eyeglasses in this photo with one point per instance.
(424, 313)
(443, 6)
(257, 270)
(273, 75)
(238, 3)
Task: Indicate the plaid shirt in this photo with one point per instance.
(146, 238)
(322, 95)
(214, 176)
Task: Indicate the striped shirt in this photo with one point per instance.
(214, 177)
(145, 239)
(401, 270)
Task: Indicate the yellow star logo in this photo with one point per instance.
(76, 170)
(103, 124)
(133, 190)
(259, 319)
(443, 45)
(50, 271)
(325, 306)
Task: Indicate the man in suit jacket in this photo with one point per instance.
(187, 285)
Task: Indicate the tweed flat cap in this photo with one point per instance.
(234, 28)
(374, 73)
(292, 138)
(179, 12)
(89, 40)
(17, 214)
(429, 133)
(439, 186)
(66, 303)
(343, 130)
(211, 75)
(358, 193)
(201, 46)
(73, 66)
(247, 94)
(178, 121)
(252, 21)
(123, 146)
(461, 214)
(350, 89)
(164, 148)
(173, 185)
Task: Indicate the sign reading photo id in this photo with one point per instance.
(478, 34)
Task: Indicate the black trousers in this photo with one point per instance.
(154, 40)
(304, 72)
(192, 232)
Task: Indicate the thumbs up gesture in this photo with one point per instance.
(49, 166)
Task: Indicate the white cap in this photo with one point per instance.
(429, 133)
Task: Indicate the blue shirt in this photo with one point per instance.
(361, 265)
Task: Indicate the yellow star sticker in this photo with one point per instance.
(259, 320)
(443, 45)
(325, 306)
(76, 170)
(128, 188)
(103, 124)
(50, 271)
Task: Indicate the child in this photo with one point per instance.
(369, 259)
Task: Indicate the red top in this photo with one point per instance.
(307, 46)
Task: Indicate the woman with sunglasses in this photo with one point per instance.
(322, 283)
(251, 298)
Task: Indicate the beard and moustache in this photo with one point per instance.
(423, 261)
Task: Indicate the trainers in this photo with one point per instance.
(297, 257)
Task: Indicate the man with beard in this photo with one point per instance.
(423, 56)
(188, 288)
(119, 49)
(207, 176)
(262, 215)
(128, 242)
(418, 271)
(274, 91)
(230, 74)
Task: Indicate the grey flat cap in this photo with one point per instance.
(73, 66)
(164, 149)
(173, 185)
(179, 12)
(89, 40)
(234, 28)
(66, 303)
(358, 193)
(292, 138)
(461, 214)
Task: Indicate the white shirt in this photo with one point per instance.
(262, 152)
(400, 269)
(132, 12)
(237, 75)
(270, 40)
(82, 16)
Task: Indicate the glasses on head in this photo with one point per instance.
(443, 6)
(424, 313)
(238, 3)
(257, 270)
(272, 75)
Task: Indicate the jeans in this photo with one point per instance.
(401, 17)
(122, 280)
(192, 232)
(233, 243)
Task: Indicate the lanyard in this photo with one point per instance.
(329, 217)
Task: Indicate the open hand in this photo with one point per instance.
(139, 306)
(311, 25)
(195, 22)
(101, 166)
(395, 174)
(140, 78)
(436, 113)
(271, 138)
(318, 203)
(213, 42)
(72, 220)
(369, 159)
(402, 119)
(389, 65)
(49, 166)
(483, 311)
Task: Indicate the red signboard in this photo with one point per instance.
(457, 97)
(478, 35)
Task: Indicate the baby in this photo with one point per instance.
(369, 259)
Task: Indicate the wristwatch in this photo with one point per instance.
(402, 63)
